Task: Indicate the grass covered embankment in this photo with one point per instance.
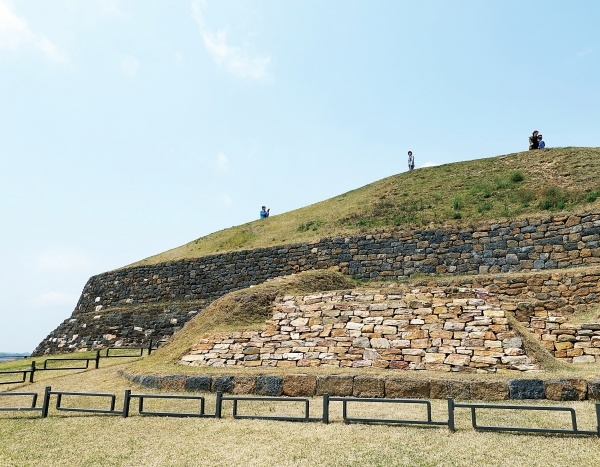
(531, 183)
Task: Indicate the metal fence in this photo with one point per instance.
(54, 364)
(573, 418)
(305, 402)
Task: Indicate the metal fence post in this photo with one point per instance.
(149, 346)
(326, 408)
(126, 400)
(218, 404)
(598, 418)
(46, 402)
(97, 359)
(32, 371)
(451, 415)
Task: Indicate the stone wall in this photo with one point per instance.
(437, 329)
(520, 246)
(120, 326)
(393, 386)
(567, 341)
(525, 245)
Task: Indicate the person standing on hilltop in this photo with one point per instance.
(411, 161)
(264, 213)
(533, 140)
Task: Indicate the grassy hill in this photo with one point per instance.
(529, 183)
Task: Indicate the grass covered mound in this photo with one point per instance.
(529, 183)
(241, 310)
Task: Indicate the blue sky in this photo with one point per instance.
(131, 127)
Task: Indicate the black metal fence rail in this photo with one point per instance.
(286, 418)
(23, 374)
(95, 359)
(142, 397)
(32, 407)
(220, 399)
(573, 431)
(49, 364)
(346, 400)
(59, 395)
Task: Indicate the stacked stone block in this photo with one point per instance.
(521, 246)
(424, 330)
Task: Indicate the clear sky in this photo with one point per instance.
(131, 127)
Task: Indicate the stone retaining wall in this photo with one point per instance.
(437, 329)
(122, 326)
(306, 385)
(568, 342)
(549, 243)
(526, 245)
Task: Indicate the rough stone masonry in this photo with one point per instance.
(545, 244)
(436, 329)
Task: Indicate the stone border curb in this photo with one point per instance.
(305, 385)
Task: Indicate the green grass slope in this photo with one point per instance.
(529, 183)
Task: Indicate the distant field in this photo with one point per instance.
(99, 440)
(6, 356)
(532, 183)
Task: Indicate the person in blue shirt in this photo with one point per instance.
(264, 213)
(541, 144)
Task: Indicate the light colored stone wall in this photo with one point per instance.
(428, 329)
(566, 341)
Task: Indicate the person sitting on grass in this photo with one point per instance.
(264, 213)
(541, 144)
(533, 140)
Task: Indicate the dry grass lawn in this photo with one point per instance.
(104, 440)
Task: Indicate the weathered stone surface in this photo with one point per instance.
(222, 384)
(269, 385)
(489, 390)
(299, 385)
(527, 389)
(594, 389)
(543, 243)
(566, 389)
(173, 382)
(335, 385)
(443, 389)
(367, 386)
(418, 342)
(405, 388)
(151, 381)
(244, 385)
(197, 383)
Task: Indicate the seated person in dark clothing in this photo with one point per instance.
(264, 213)
(533, 140)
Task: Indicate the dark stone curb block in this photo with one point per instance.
(269, 385)
(197, 383)
(526, 389)
(302, 385)
(594, 389)
(222, 384)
